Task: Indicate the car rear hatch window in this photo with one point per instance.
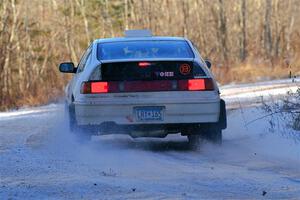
(144, 49)
(146, 66)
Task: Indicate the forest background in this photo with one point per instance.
(246, 40)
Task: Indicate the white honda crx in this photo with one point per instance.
(144, 86)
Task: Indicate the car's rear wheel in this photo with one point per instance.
(194, 141)
(209, 132)
(82, 134)
(212, 133)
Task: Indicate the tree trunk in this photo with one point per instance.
(81, 6)
(243, 39)
(223, 30)
(126, 14)
(267, 28)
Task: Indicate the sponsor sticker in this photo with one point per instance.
(165, 74)
(185, 69)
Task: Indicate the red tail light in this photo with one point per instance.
(85, 88)
(94, 87)
(99, 87)
(196, 84)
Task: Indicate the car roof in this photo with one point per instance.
(122, 39)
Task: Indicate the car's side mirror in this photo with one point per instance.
(208, 63)
(67, 67)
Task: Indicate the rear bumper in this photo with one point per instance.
(123, 114)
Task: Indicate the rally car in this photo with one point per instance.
(144, 86)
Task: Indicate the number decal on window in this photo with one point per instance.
(185, 69)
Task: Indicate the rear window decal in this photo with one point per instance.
(165, 74)
(185, 69)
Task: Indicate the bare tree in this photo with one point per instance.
(36, 35)
(267, 28)
(81, 5)
(222, 29)
(242, 38)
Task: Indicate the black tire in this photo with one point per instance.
(212, 133)
(209, 132)
(222, 118)
(194, 141)
(82, 134)
(193, 134)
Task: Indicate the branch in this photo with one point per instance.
(270, 114)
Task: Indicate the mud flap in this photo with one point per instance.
(222, 117)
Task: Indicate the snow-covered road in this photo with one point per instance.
(39, 159)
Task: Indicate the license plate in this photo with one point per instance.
(149, 113)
